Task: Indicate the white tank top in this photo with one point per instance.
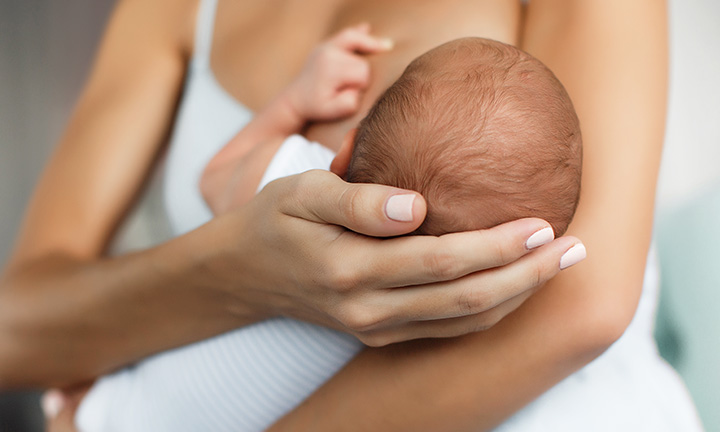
(273, 365)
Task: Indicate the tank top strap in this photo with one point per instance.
(204, 30)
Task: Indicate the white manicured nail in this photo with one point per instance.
(52, 403)
(400, 207)
(541, 237)
(573, 256)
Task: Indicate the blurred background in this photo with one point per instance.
(46, 48)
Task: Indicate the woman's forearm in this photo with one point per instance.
(612, 58)
(65, 311)
(65, 320)
(466, 384)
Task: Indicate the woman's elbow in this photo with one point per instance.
(8, 379)
(22, 367)
(13, 372)
(6, 347)
(603, 320)
(16, 369)
(25, 360)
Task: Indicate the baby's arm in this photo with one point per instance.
(329, 87)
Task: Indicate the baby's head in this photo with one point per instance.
(484, 131)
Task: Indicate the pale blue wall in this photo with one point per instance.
(688, 330)
(688, 208)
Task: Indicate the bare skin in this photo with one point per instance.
(285, 38)
(618, 84)
(68, 313)
(612, 74)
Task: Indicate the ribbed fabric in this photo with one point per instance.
(243, 380)
(246, 379)
(296, 155)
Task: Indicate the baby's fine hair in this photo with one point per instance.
(484, 131)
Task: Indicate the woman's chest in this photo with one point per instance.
(260, 45)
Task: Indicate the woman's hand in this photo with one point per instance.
(60, 407)
(291, 256)
(335, 75)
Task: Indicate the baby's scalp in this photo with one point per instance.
(483, 130)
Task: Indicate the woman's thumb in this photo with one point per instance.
(370, 209)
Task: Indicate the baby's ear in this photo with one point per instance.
(341, 162)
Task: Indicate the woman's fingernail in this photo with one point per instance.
(573, 256)
(52, 403)
(387, 43)
(541, 237)
(400, 207)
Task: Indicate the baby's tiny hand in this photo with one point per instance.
(336, 73)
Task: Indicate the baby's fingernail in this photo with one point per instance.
(573, 256)
(52, 403)
(400, 207)
(386, 43)
(539, 238)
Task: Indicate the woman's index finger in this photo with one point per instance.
(416, 260)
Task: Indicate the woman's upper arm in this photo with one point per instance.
(119, 123)
(612, 58)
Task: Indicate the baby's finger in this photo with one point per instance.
(346, 102)
(353, 39)
(363, 27)
(351, 70)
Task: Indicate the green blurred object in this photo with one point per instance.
(688, 323)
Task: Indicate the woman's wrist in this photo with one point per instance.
(297, 257)
(216, 269)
